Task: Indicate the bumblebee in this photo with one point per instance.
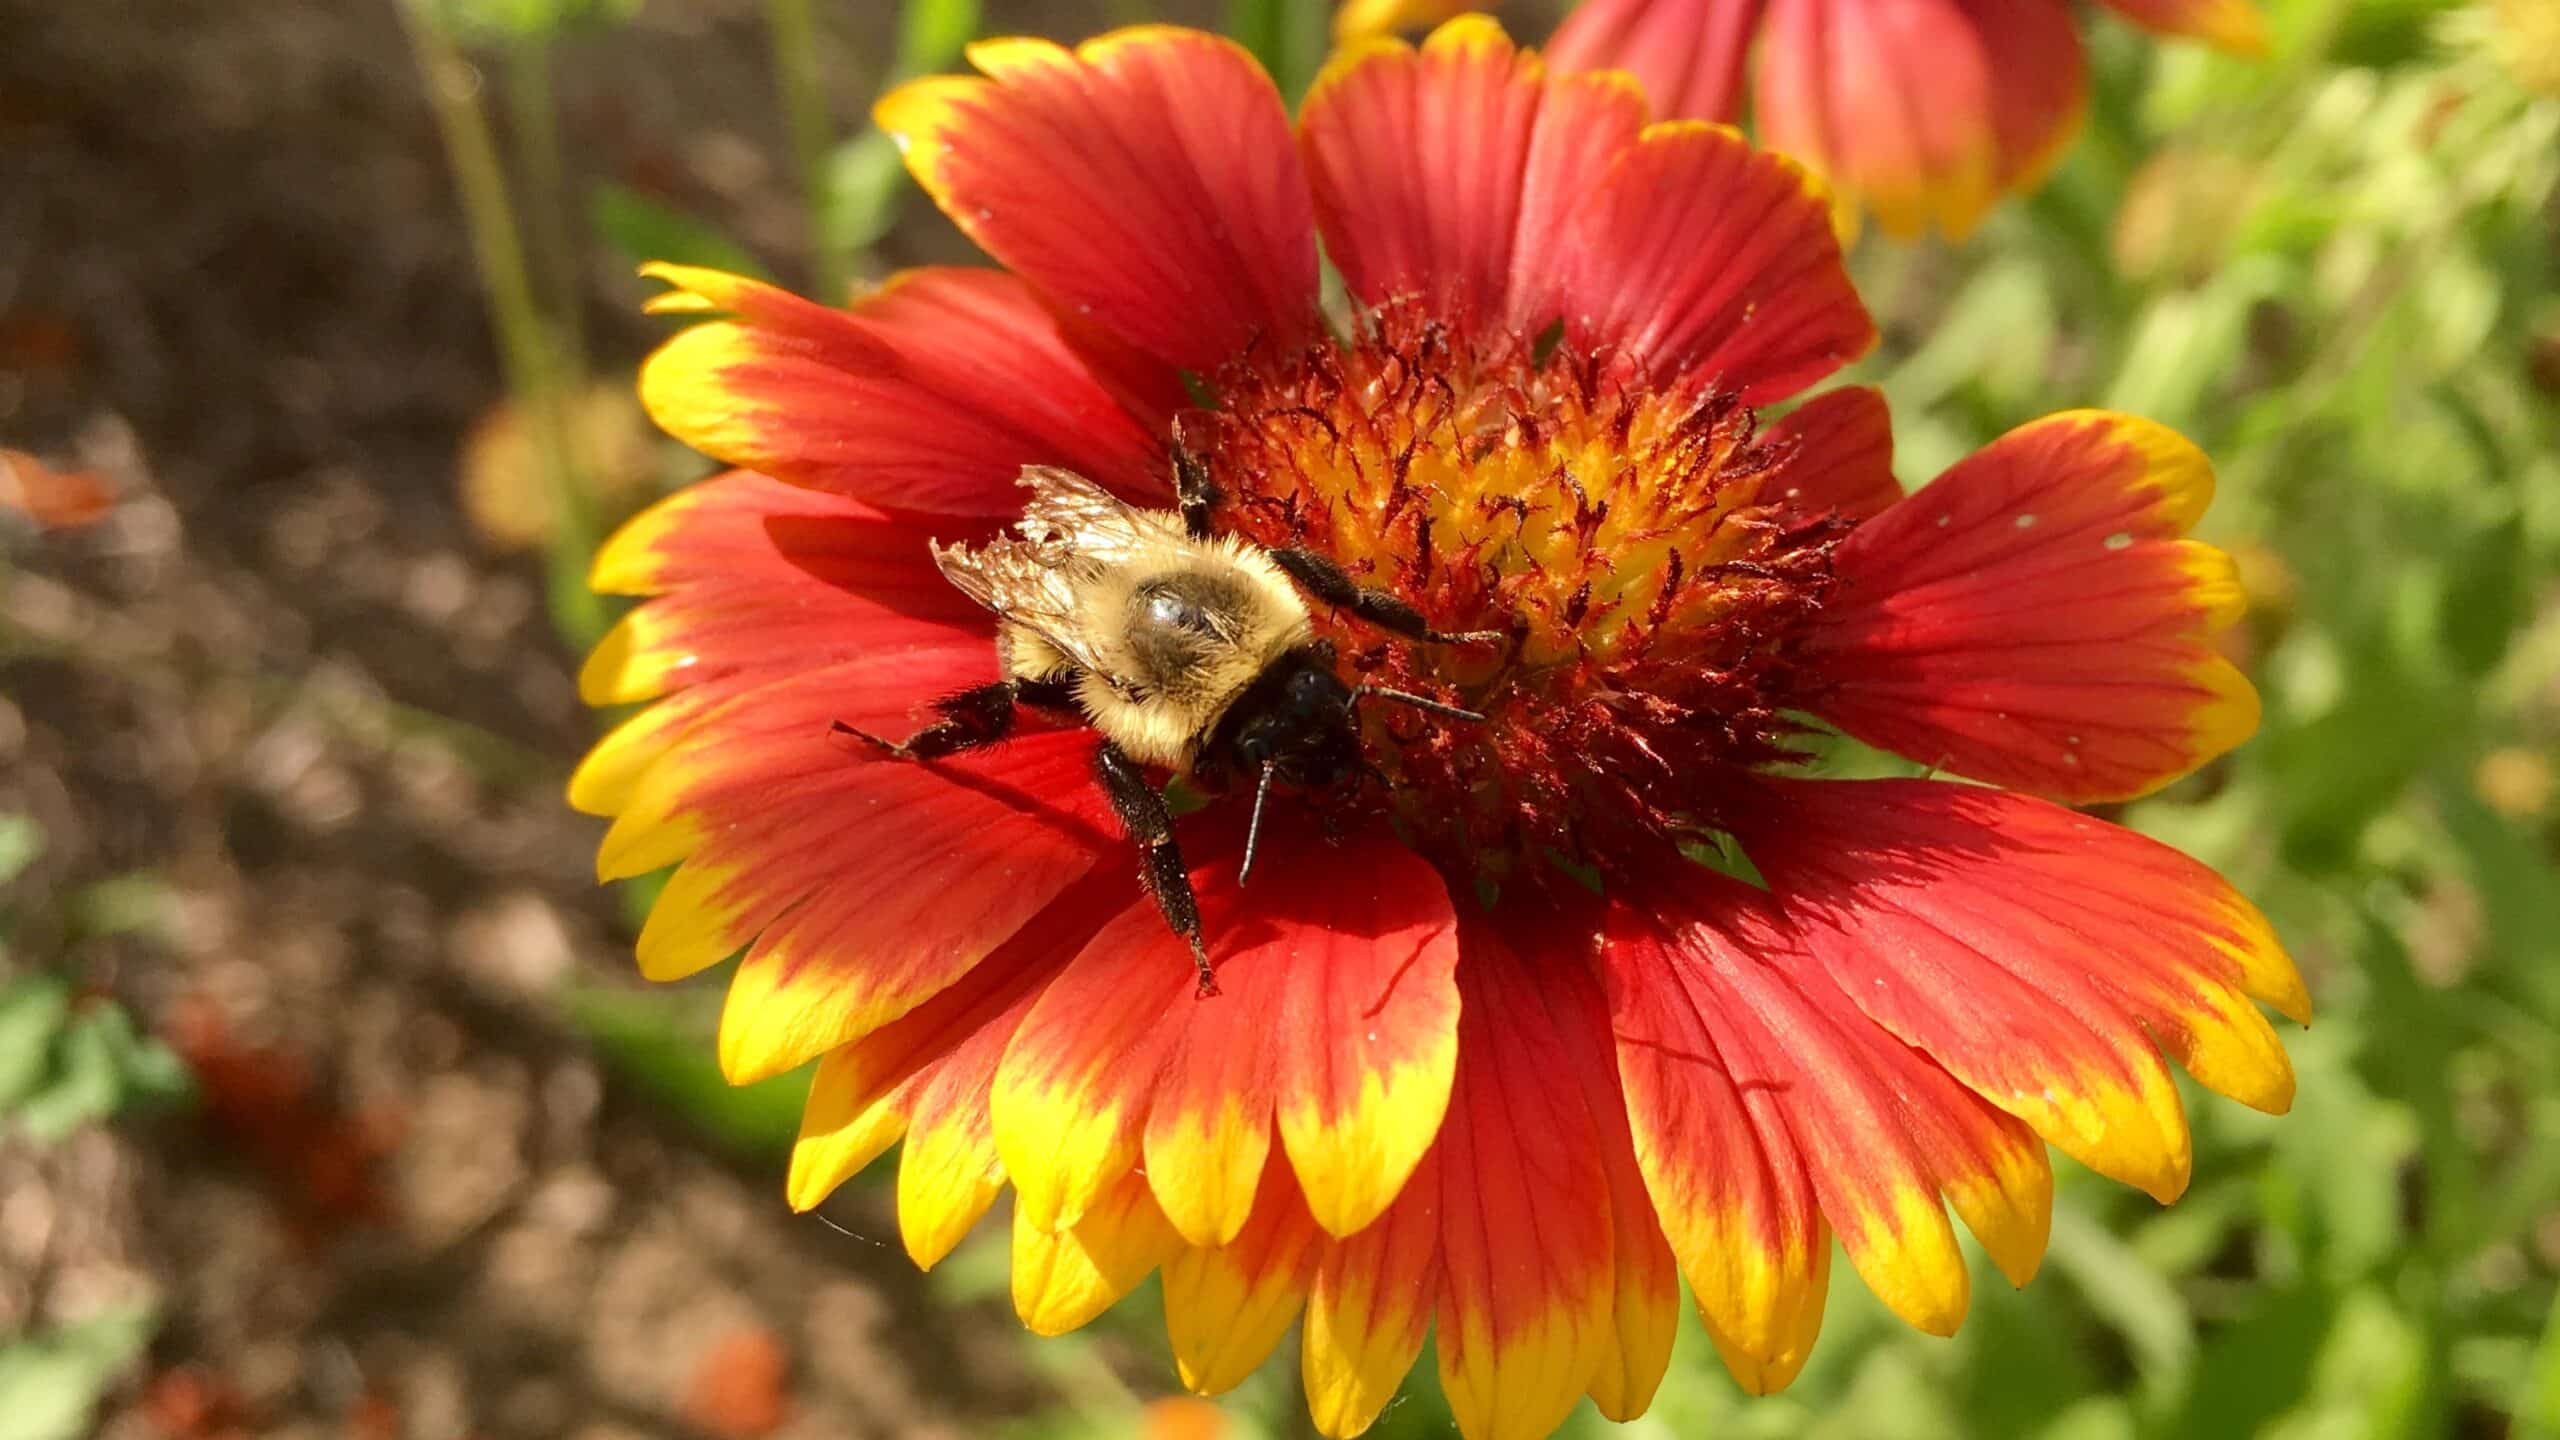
(1184, 650)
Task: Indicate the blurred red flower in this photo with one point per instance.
(1922, 111)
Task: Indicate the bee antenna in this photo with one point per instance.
(1253, 830)
(1418, 702)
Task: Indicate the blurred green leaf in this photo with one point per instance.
(641, 229)
(33, 1011)
(2128, 1296)
(2257, 1369)
(1289, 37)
(21, 844)
(50, 1384)
(84, 1085)
(654, 1041)
(930, 35)
(2485, 593)
(135, 904)
(866, 181)
(485, 20)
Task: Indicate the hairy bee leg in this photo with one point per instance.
(1142, 814)
(1193, 487)
(1328, 582)
(972, 719)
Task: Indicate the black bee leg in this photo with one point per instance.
(1160, 867)
(1328, 582)
(972, 719)
(1193, 487)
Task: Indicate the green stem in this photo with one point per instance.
(534, 118)
(794, 28)
(524, 349)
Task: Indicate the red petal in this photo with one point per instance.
(927, 1075)
(930, 393)
(1922, 110)
(1726, 1174)
(1527, 1275)
(2035, 954)
(1071, 1096)
(870, 882)
(1561, 933)
(1837, 451)
(1144, 179)
(1872, 1172)
(1337, 1017)
(1688, 53)
(1370, 1020)
(2032, 617)
(1697, 254)
(1446, 173)
(759, 580)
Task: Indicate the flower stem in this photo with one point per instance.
(525, 348)
(794, 28)
(533, 115)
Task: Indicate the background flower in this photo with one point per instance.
(1920, 112)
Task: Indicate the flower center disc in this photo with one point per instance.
(1616, 531)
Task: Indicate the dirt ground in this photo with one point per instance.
(285, 679)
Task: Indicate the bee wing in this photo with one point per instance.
(1071, 532)
(1069, 509)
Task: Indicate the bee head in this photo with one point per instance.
(1301, 730)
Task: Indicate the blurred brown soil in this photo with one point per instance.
(283, 678)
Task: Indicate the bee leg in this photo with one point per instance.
(1330, 583)
(972, 719)
(1193, 487)
(1142, 814)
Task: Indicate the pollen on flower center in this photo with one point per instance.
(1624, 536)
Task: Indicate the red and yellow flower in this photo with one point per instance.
(1922, 111)
(1495, 1055)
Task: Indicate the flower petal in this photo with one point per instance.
(2035, 954)
(758, 580)
(763, 805)
(927, 1074)
(1210, 1118)
(1371, 1017)
(1527, 1277)
(1071, 1095)
(1144, 179)
(1358, 20)
(1698, 255)
(1726, 1174)
(1688, 53)
(1063, 1278)
(1724, 944)
(1921, 110)
(2032, 618)
(1562, 934)
(2235, 25)
(1337, 1015)
(1836, 455)
(930, 393)
(1226, 1306)
(1447, 173)
(1369, 1308)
